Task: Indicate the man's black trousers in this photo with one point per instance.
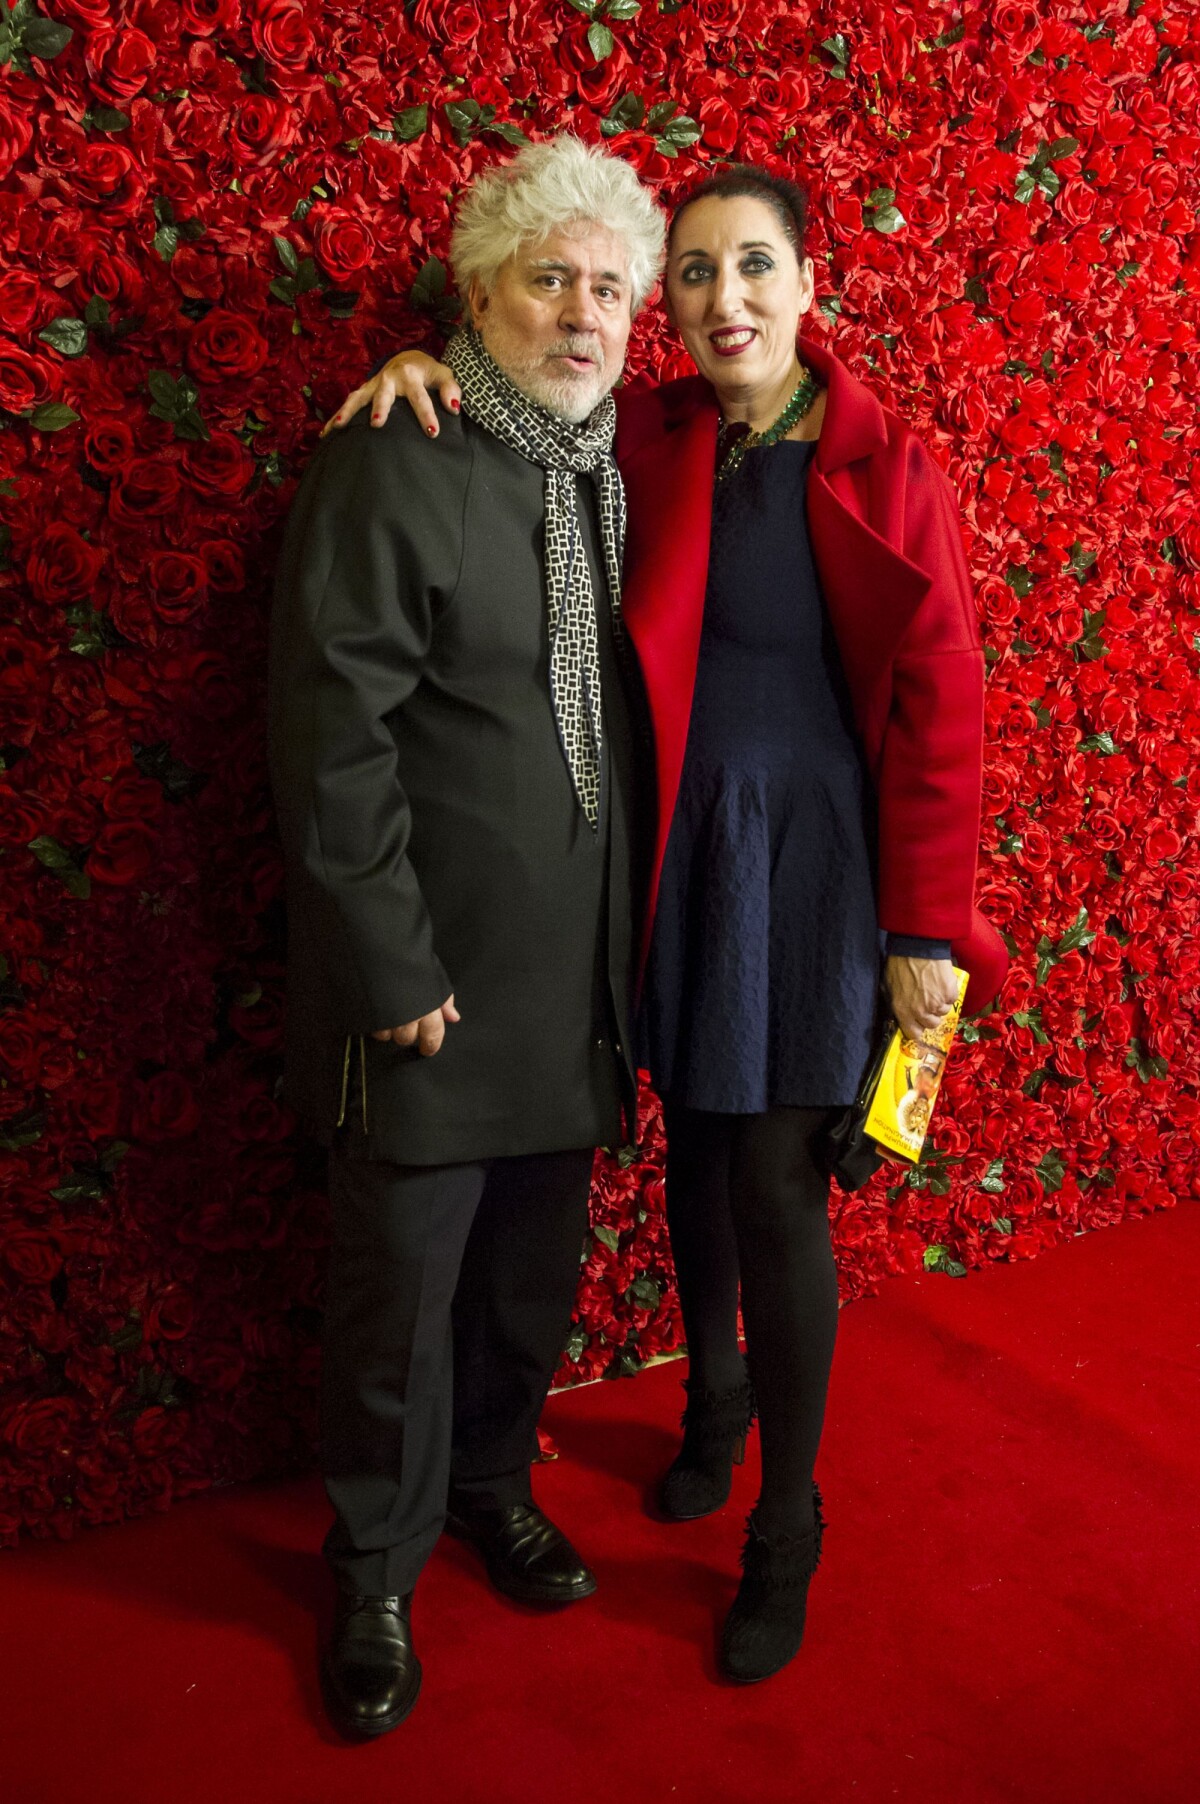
(449, 1298)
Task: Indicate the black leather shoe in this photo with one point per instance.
(526, 1556)
(370, 1675)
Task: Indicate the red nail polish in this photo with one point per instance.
(432, 431)
(456, 406)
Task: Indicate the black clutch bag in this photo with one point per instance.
(846, 1152)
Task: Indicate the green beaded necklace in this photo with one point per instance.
(729, 456)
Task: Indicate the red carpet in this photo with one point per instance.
(1007, 1609)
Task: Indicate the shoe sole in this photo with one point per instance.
(508, 1587)
(349, 1726)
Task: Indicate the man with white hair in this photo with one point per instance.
(451, 738)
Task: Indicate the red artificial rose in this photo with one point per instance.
(107, 178)
(225, 347)
(164, 1108)
(178, 584)
(107, 444)
(120, 61)
(225, 565)
(147, 486)
(20, 300)
(25, 381)
(15, 137)
(38, 1425)
(204, 17)
(61, 566)
(32, 1257)
(261, 128)
(122, 854)
(342, 245)
(219, 466)
(279, 31)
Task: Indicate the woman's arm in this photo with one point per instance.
(413, 374)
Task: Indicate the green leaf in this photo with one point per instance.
(1148, 1065)
(1127, 271)
(888, 219)
(430, 285)
(938, 1259)
(954, 36)
(82, 1186)
(838, 48)
(623, 9)
(96, 312)
(463, 117)
(166, 241)
(106, 119)
(287, 254)
(512, 134)
(1099, 742)
(586, 7)
(23, 1129)
(66, 867)
(66, 335)
(645, 1292)
(1050, 1172)
(1002, 1224)
(411, 123)
(679, 133)
(600, 41)
(1019, 579)
(607, 1237)
(830, 305)
(578, 1342)
(163, 388)
(993, 1178)
(45, 38)
(1076, 935)
(628, 115)
(1062, 147)
(52, 416)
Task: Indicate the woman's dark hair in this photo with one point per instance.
(787, 200)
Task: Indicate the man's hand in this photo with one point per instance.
(923, 991)
(426, 1034)
(411, 374)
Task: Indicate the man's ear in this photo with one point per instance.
(477, 301)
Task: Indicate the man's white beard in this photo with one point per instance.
(571, 398)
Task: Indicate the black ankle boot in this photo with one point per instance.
(765, 1626)
(715, 1427)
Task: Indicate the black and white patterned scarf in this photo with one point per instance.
(563, 451)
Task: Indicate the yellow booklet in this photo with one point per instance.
(901, 1106)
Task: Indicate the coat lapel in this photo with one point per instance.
(871, 588)
(668, 485)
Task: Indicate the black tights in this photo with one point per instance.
(744, 1197)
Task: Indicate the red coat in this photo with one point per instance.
(883, 522)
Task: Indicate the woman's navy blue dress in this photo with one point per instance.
(764, 965)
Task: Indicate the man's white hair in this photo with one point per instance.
(553, 187)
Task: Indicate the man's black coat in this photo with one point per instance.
(433, 841)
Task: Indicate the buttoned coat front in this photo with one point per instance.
(884, 526)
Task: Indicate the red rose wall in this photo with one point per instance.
(214, 216)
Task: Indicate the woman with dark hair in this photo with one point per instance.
(796, 592)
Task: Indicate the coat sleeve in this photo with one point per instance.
(931, 767)
(351, 627)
